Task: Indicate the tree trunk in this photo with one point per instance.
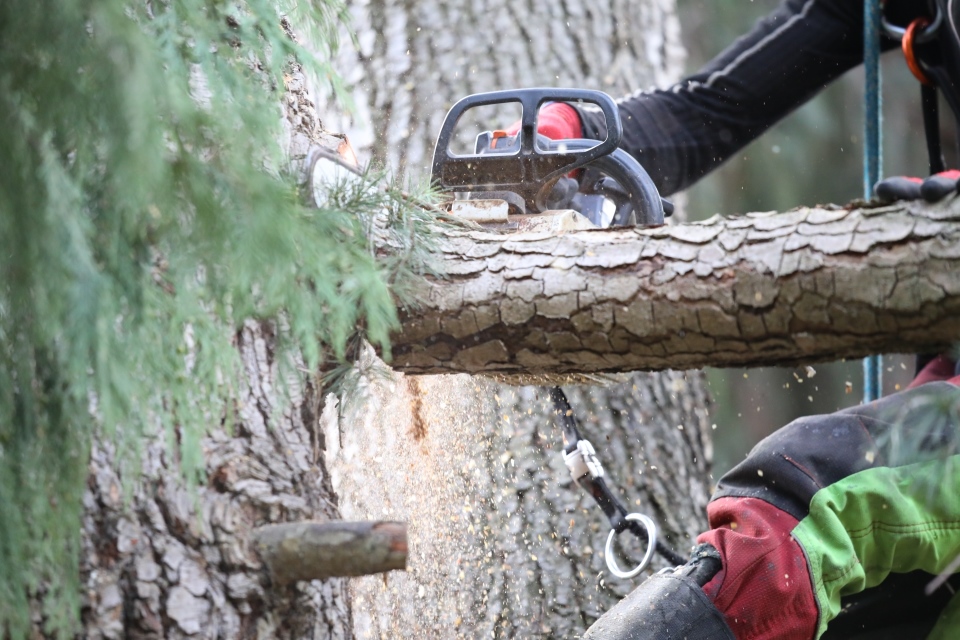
(169, 563)
(496, 548)
(784, 288)
(502, 543)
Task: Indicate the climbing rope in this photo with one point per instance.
(872, 16)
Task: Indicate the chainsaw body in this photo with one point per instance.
(521, 180)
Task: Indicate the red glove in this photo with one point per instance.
(556, 120)
(943, 367)
(933, 189)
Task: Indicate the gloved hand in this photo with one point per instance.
(933, 189)
(832, 519)
(556, 120)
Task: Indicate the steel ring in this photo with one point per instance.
(651, 528)
(925, 35)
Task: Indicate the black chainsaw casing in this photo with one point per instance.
(527, 169)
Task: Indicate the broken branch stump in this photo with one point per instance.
(317, 550)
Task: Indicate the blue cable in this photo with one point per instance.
(872, 365)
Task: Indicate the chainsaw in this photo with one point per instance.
(510, 178)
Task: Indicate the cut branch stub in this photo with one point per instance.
(767, 288)
(317, 550)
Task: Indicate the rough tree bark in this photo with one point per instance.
(170, 564)
(502, 544)
(774, 288)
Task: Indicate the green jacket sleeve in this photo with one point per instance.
(839, 521)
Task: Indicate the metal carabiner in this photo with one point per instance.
(651, 528)
(909, 38)
(897, 32)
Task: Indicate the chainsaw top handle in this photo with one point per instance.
(528, 171)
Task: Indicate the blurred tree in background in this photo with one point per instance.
(812, 157)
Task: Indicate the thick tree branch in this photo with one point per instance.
(769, 288)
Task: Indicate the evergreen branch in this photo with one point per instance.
(142, 220)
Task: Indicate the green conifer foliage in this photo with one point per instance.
(143, 216)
